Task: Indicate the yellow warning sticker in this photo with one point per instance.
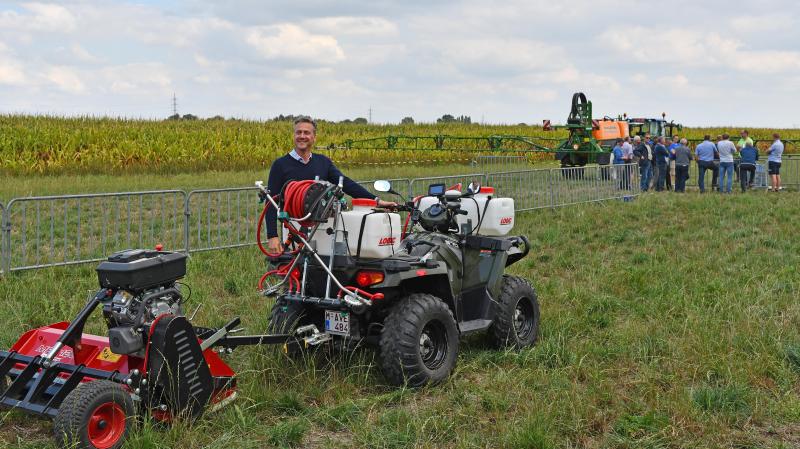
(108, 356)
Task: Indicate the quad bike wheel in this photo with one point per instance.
(284, 318)
(419, 341)
(516, 324)
(95, 415)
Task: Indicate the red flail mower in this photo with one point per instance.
(153, 361)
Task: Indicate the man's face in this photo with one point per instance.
(304, 136)
(647, 136)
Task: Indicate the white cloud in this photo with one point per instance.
(686, 47)
(497, 54)
(11, 70)
(140, 78)
(768, 23)
(510, 62)
(289, 41)
(66, 79)
(351, 26)
(40, 17)
(81, 54)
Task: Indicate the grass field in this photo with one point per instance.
(668, 322)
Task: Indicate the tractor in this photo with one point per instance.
(589, 140)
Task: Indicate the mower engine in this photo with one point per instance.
(145, 287)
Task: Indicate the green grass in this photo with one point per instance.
(667, 322)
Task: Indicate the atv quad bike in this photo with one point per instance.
(441, 280)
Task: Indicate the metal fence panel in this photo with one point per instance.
(71, 229)
(530, 189)
(575, 185)
(221, 218)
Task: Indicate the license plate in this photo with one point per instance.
(337, 322)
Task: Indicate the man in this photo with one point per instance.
(739, 145)
(775, 153)
(627, 158)
(704, 152)
(744, 140)
(627, 150)
(726, 149)
(661, 155)
(683, 155)
(715, 168)
(645, 155)
(300, 164)
(747, 165)
(619, 161)
(671, 173)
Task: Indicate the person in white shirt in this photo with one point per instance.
(726, 150)
(774, 158)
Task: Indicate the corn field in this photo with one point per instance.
(46, 145)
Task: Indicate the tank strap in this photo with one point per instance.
(361, 232)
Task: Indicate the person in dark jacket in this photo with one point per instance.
(300, 164)
(683, 156)
(747, 165)
(661, 156)
(645, 155)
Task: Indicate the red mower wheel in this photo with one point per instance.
(95, 415)
(106, 425)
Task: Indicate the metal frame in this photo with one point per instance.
(99, 214)
(249, 231)
(552, 189)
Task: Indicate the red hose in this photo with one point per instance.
(294, 196)
(294, 276)
(359, 291)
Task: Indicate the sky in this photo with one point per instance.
(703, 63)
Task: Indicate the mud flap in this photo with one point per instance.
(179, 375)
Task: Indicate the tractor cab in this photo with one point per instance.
(653, 126)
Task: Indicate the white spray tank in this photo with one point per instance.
(378, 232)
(490, 215)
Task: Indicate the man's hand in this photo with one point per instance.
(274, 246)
(382, 203)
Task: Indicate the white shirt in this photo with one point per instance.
(299, 158)
(726, 149)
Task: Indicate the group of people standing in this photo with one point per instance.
(661, 165)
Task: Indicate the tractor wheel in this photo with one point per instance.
(516, 324)
(284, 318)
(419, 341)
(95, 415)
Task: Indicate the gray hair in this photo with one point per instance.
(684, 141)
(637, 138)
(306, 119)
